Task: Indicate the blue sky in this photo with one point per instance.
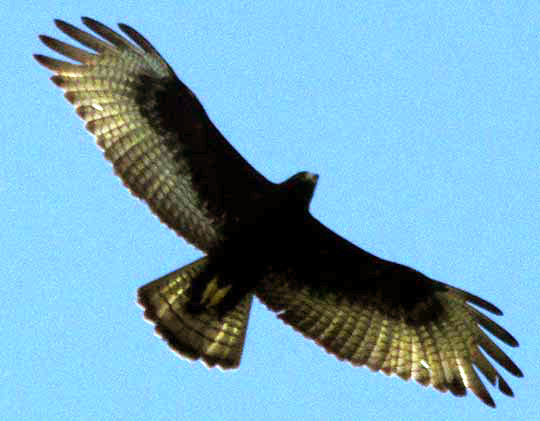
(423, 123)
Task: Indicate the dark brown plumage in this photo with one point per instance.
(259, 237)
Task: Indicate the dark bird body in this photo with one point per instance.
(259, 237)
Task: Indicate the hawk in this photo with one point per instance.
(259, 238)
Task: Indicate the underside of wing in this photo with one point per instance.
(154, 131)
(389, 318)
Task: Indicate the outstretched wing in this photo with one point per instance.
(154, 131)
(387, 316)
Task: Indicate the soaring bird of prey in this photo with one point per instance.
(259, 237)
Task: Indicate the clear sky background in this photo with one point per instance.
(423, 122)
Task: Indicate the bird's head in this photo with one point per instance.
(299, 188)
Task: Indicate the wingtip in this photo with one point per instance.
(480, 302)
(39, 58)
(513, 342)
(65, 27)
(505, 387)
(89, 22)
(125, 27)
(43, 60)
(486, 398)
(58, 80)
(61, 23)
(47, 40)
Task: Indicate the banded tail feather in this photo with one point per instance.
(215, 338)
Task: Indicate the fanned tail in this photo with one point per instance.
(215, 339)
